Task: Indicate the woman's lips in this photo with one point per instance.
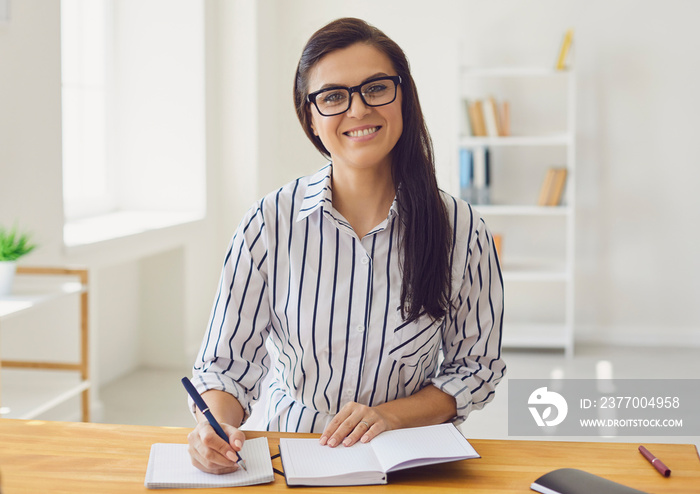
(362, 132)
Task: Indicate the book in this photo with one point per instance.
(491, 117)
(306, 462)
(466, 175)
(169, 466)
(466, 119)
(481, 193)
(573, 481)
(476, 118)
(505, 119)
(564, 50)
(558, 187)
(553, 186)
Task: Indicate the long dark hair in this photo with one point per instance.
(426, 240)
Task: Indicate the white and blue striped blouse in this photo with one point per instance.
(302, 295)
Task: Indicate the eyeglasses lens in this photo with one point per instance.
(374, 93)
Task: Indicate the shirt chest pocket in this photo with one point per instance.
(416, 342)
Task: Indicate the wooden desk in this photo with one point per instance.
(62, 457)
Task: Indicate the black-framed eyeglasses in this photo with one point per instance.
(336, 100)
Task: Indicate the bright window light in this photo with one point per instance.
(84, 59)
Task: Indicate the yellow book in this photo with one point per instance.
(564, 51)
(558, 186)
(547, 186)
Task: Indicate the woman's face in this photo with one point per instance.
(345, 136)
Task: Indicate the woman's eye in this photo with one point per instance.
(375, 88)
(334, 97)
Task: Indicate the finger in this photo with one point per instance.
(236, 437)
(373, 432)
(210, 450)
(335, 422)
(210, 467)
(359, 431)
(345, 429)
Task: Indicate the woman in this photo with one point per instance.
(376, 298)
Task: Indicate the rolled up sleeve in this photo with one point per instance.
(472, 365)
(233, 357)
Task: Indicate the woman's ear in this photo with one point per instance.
(311, 124)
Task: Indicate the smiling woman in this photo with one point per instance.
(375, 297)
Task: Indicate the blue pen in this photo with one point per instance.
(201, 404)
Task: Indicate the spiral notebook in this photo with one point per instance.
(169, 467)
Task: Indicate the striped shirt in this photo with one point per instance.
(302, 295)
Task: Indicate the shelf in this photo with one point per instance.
(515, 210)
(26, 296)
(535, 336)
(34, 287)
(554, 139)
(27, 394)
(545, 99)
(534, 270)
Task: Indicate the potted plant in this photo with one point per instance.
(13, 245)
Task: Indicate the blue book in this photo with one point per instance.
(466, 174)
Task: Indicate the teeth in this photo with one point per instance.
(364, 132)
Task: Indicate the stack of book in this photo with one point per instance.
(487, 118)
(553, 187)
(475, 175)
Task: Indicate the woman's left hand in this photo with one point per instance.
(354, 422)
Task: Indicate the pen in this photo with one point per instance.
(201, 404)
(658, 464)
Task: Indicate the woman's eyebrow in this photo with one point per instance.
(334, 85)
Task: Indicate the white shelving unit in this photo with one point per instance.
(539, 274)
(50, 383)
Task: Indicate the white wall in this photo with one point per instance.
(636, 71)
(637, 76)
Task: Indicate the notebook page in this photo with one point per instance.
(169, 465)
(307, 458)
(396, 449)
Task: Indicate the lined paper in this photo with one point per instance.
(404, 448)
(307, 458)
(169, 466)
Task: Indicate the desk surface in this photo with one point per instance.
(63, 457)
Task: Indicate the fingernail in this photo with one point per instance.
(332, 442)
(346, 442)
(231, 456)
(323, 440)
(238, 443)
(364, 439)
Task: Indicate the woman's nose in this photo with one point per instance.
(358, 109)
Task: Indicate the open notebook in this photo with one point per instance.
(306, 462)
(169, 466)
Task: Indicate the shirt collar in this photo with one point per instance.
(318, 192)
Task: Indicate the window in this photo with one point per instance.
(133, 116)
(85, 59)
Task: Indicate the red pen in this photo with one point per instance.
(658, 464)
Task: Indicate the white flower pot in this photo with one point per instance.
(7, 276)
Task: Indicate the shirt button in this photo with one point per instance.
(349, 392)
(365, 260)
(360, 328)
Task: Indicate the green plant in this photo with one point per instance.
(13, 244)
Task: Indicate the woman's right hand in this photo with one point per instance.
(212, 454)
